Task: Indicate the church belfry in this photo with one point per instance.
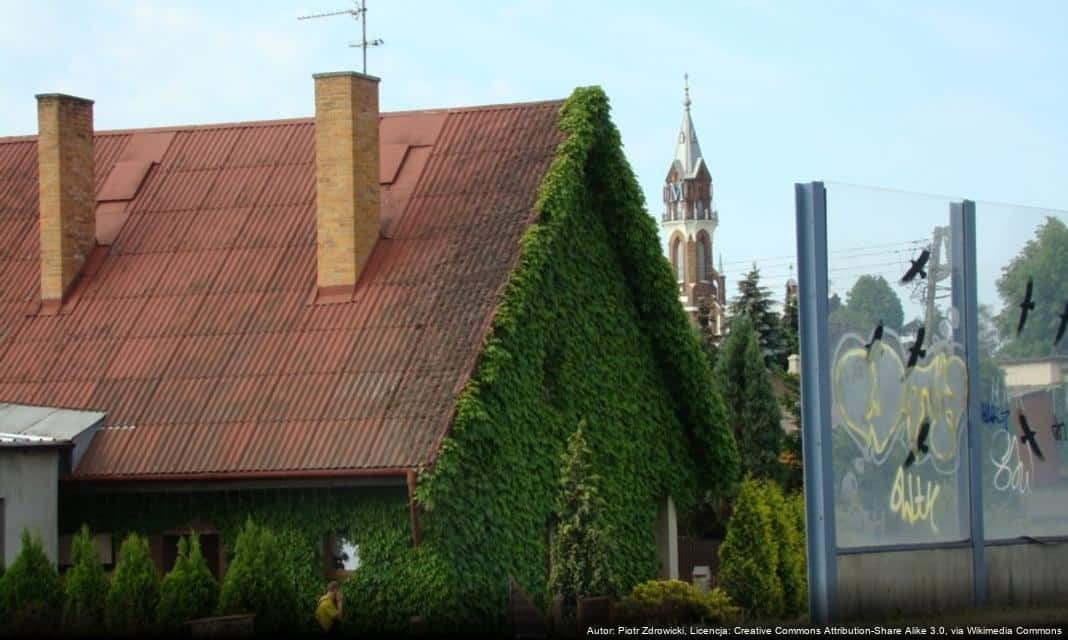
(689, 222)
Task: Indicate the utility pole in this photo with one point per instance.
(935, 271)
(358, 12)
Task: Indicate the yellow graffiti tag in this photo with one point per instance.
(911, 501)
(936, 390)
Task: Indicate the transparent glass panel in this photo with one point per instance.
(898, 369)
(1023, 369)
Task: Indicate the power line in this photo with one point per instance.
(776, 260)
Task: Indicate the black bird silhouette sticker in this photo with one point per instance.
(921, 443)
(1026, 305)
(876, 336)
(1029, 437)
(917, 267)
(916, 351)
(1064, 323)
(1058, 430)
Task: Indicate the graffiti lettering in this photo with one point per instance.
(1010, 473)
(993, 414)
(910, 500)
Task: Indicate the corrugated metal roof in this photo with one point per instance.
(197, 335)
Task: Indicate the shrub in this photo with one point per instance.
(749, 555)
(791, 567)
(134, 592)
(256, 581)
(189, 591)
(671, 602)
(796, 504)
(30, 591)
(86, 586)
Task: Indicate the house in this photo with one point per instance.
(371, 332)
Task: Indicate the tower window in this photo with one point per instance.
(701, 274)
(676, 259)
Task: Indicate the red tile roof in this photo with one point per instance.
(196, 334)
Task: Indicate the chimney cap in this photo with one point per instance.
(61, 96)
(354, 74)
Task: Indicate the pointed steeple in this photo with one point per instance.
(687, 151)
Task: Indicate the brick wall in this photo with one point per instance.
(346, 165)
(67, 194)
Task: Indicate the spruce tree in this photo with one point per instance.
(752, 410)
(258, 582)
(749, 555)
(791, 567)
(134, 592)
(31, 594)
(580, 550)
(189, 591)
(754, 301)
(86, 586)
(790, 327)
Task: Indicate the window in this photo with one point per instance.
(676, 259)
(701, 273)
(341, 556)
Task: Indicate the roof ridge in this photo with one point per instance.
(290, 121)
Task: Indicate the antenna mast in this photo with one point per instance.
(358, 12)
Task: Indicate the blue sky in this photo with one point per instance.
(965, 99)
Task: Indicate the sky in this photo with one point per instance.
(959, 98)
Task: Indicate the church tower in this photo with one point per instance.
(689, 222)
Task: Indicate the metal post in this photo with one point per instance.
(962, 219)
(811, 202)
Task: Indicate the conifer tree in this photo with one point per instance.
(749, 555)
(30, 591)
(754, 301)
(752, 410)
(257, 581)
(791, 567)
(789, 325)
(134, 592)
(86, 586)
(189, 591)
(580, 550)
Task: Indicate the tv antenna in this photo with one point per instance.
(358, 12)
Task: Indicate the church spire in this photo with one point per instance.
(687, 151)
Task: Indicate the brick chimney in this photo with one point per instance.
(67, 193)
(346, 179)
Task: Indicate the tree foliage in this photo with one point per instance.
(790, 328)
(753, 412)
(665, 603)
(872, 299)
(85, 586)
(134, 592)
(749, 555)
(1044, 259)
(189, 590)
(31, 595)
(580, 551)
(754, 301)
(256, 581)
(791, 565)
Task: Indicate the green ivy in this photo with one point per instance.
(589, 328)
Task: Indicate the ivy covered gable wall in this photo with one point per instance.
(589, 328)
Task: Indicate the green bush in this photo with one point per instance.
(671, 602)
(749, 555)
(791, 548)
(86, 586)
(189, 590)
(256, 581)
(31, 595)
(134, 592)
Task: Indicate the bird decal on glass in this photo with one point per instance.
(1026, 306)
(1029, 437)
(876, 336)
(916, 351)
(917, 267)
(921, 443)
(1064, 323)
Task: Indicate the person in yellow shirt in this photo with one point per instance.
(329, 611)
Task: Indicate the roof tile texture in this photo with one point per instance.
(198, 335)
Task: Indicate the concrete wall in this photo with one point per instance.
(1027, 574)
(887, 583)
(29, 487)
